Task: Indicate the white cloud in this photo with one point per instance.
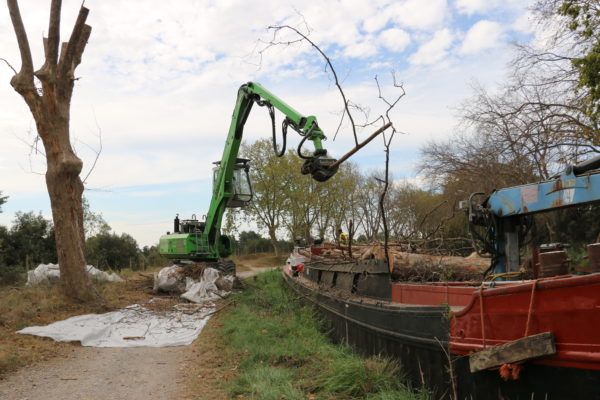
(434, 50)
(419, 14)
(375, 22)
(524, 23)
(362, 49)
(491, 7)
(380, 65)
(471, 7)
(482, 36)
(394, 39)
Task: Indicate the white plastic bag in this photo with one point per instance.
(50, 274)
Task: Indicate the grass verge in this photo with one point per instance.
(279, 352)
(27, 306)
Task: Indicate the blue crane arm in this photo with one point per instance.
(504, 211)
(566, 190)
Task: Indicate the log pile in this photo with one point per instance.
(406, 266)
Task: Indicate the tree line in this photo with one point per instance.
(30, 241)
(290, 206)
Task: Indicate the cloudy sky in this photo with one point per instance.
(158, 83)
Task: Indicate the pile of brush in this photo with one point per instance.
(405, 266)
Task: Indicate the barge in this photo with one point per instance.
(434, 329)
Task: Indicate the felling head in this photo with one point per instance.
(321, 167)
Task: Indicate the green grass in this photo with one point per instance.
(284, 354)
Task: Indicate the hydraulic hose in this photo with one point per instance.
(306, 136)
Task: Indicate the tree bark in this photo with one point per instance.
(273, 238)
(65, 190)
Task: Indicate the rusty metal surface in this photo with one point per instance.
(553, 263)
(370, 278)
(594, 257)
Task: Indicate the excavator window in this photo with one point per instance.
(241, 185)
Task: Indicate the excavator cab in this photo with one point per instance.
(242, 186)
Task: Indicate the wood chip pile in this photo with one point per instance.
(407, 267)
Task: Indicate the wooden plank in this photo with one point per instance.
(518, 350)
(391, 260)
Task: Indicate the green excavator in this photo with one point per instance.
(195, 240)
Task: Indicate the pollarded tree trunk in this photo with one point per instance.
(50, 106)
(65, 189)
(273, 238)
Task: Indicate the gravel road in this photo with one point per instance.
(101, 373)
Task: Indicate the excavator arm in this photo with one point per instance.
(201, 240)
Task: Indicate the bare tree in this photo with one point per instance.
(560, 73)
(50, 106)
(269, 176)
(575, 45)
(386, 181)
(384, 120)
(367, 202)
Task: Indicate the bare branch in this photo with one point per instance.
(53, 33)
(361, 145)
(391, 104)
(98, 151)
(9, 66)
(22, 82)
(277, 28)
(47, 73)
(71, 55)
(386, 144)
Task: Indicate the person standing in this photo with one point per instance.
(342, 237)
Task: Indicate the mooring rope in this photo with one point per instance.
(481, 314)
(530, 313)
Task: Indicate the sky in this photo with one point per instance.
(158, 81)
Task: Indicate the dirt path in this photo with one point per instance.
(254, 271)
(95, 373)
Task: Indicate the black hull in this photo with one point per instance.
(414, 338)
(417, 337)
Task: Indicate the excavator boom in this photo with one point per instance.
(201, 240)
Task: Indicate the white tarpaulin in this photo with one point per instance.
(139, 326)
(50, 273)
(207, 289)
(134, 326)
(213, 285)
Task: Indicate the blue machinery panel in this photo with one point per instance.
(577, 185)
(567, 190)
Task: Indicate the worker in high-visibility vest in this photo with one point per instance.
(343, 238)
